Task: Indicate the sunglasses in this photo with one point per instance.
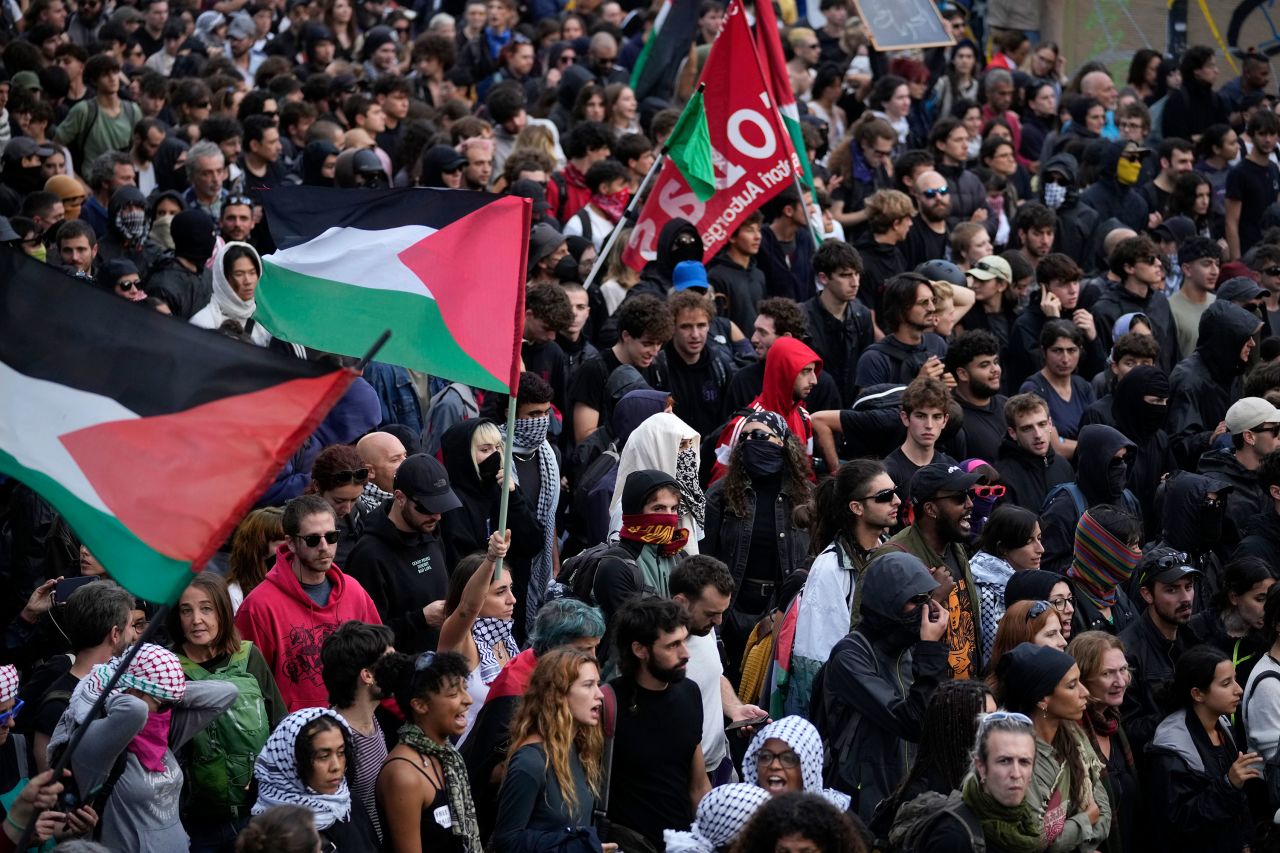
(883, 496)
(1001, 716)
(233, 200)
(13, 712)
(1271, 271)
(959, 499)
(203, 105)
(129, 285)
(312, 540)
(987, 491)
(341, 478)
(1037, 610)
(422, 510)
(424, 661)
(921, 600)
(760, 435)
(568, 60)
(932, 194)
(986, 267)
(1274, 429)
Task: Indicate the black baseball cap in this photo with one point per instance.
(424, 481)
(1164, 565)
(941, 477)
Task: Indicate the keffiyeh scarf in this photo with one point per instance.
(487, 632)
(803, 738)
(531, 437)
(461, 808)
(692, 500)
(722, 814)
(279, 782)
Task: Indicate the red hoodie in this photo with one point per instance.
(782, 365)
(289, 628)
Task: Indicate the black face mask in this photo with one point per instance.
(1152, 417)
(1117, 477)
(566, 269)
(489, 467)
(685, 248)
(762, 458)
(1211, 521)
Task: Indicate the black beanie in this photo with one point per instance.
(1033, 585)
(641, 484)
(1029, 673)
(194, 237)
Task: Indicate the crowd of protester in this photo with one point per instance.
(938, 511)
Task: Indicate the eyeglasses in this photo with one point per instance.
(341, 478)
(1038, 609)
(883, 496)
(987, 491)
(934, 193)
(129, 284)
(567, 59)
(1061, 604)
(789, 760)
(13, 712)
(312, 540)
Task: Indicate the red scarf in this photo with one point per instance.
(612, 206)
(573, 177)
(658, 528)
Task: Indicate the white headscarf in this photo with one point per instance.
(722, 814)
(279, 781)
(803, 738)
(655, 444)
(230, 305)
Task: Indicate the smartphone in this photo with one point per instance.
(65, 587)
(742, 724)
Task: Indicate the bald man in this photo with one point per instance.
(929, 234)
(1099, 85)
(382, 453)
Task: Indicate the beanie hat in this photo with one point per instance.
(641, 484)
(1029, 673)
(1034, 585)
(1101, 562)
(374, 39)
(193, 236)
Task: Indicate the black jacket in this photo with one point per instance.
(1027, 477)
(790, 276)
(727, 535)
(1089, 618)
(402, 572)
(1191, 109)
(1207, 382)
(880, 262)
(1152, 658)
(1261, 538)
(1246, 498)
(890, 361)
(741, 287)
(877, 682)
(114, 245)
(1022, 356)
(839, 342)
(1109, 198)
(1076, 221)
(1115, 302)
(1097, 445)
(1184, 528)
(1154, 458)
(185, 292)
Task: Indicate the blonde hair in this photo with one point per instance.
(538, 138)
(1088, 649)
(485, 433)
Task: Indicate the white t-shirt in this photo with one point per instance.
(705, 670)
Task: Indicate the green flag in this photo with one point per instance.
(689, 147)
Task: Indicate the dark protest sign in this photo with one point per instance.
(902, 24)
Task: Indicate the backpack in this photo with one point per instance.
(584, 219)
(1271, 769)
(838, 738)
(221, 770)
(436, 427)
(915, 820)
(75, 146)
(579, 524)
(1077, 497)
(578, 574)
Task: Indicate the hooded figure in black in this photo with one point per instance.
(1143, 423)
(179, 278)
(571, 82)
(313, 158)
(16, 180)
(1205, 384)
(1111, 198)
(170, 175)
(466, 529)
(1102, 478)
(1193, 523)
(879, 679)
(127, 229)
(677, 241)
(1076, 222)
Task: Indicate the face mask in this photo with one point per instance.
(160, 231)
(982, 509)
(41, 253)
(566, 269)
(762, 458)
(530, 432)
(1152, 417)
(685, 249)
(1054, 195)
(1117, 477)
(489, 467)
(132, 224)
(996, 203)
(612, 205)
(1211, 521)
(658, 528)
(150, 744)
(1127, 171)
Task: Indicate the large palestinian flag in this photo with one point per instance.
(151, 437)
(443, 269)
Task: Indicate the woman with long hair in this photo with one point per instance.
(590, 104)
(1010, 543)
(1105, 672)
(554, 766)
(1034, 622)
(943, 758)
(622, 108)
(752, 504)
(340, 18)
(220, 772)
(1144, 74)
(1066, 787)
(1039, 118)
(423, 792)
(1192, 197)
(478, 622)
(890, 100)
(1195, 771)
(1234, 619)
(1216, 150)
(960, 80)
(253, 552)
(828, 86)
(308, 762)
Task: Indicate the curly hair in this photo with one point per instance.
(333, 459)
(247, 565)
(806, 815)
(795, 477)
(544, 712)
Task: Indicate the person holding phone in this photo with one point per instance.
(880, 677)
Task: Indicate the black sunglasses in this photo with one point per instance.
(422, 510)
(129, 285)
(341, 478)
(883, 496)
(958, 499)
(312, 540)
(759, 435)
(1271, 271)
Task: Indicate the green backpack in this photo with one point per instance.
(221, 770)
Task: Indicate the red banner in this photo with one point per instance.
(750, 147)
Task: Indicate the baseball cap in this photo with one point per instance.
(1239, 287)
(241, 26)
(941, 477)
(689, 274)
(1249, 412)
(25, 146)
(526, 188)
(27, 80)
(992, 266)
(1164, 565)
(543, 241)
(425, 482)
(127, 15)
(1175, 229)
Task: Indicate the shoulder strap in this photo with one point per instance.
(20, 750)
(585, 219)
(609, 727)
(1262, 676)
(563, 187)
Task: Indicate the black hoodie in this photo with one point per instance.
(1028, 477)
(1076, 222)
(1110, 198)
(655, 278)
(1141, 423)
(1191, 109)
(1183, 515)
(114, 244)
(1205, 384)
(1097, 445)
(1116, 301)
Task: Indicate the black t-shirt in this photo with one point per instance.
(50, 711)
(698, 389)
(589, 383)
(551, 364)
(902, 469)
(924, 244)
(984, 428)
(1255, 187)
(657, 735)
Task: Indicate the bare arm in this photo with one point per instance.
(1233, 229)
(825, 427)
(699, 784)
(586, 420)
(455, 633)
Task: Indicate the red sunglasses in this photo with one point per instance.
(988, 491)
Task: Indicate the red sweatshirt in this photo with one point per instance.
(289, 628)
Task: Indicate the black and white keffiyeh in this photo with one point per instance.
(692, 499)
(722, 814)
(279, 782)
(487, 632)
(530, 436)
(803, 738)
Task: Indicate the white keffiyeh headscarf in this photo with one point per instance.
(722, 814)
(803, 738)
(279, 781)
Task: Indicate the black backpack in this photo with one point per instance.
(578, 573)
(1270, 770)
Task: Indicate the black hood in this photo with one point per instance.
(1067, 166)
(571, 83)
(1033, 585)
(1127, 406)
(666, 261)
(455, 450)
(1224, 327)
(1183, 499)
(1095, 446)
(119, 200)
(890, 581)
(313, 157)
(640, 484)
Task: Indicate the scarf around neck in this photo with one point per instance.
(1101, 562)
(655, 529)
(279, 782)
(462, 809)
(531, 436)
(1015, 829)
(488, 632)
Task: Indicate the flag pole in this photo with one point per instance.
(508, 464)
(64, 761)
(373, 350)
(627, 214)
(817, 240)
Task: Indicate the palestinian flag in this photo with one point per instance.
(443, 269)
(673, 32)
(150, 436)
